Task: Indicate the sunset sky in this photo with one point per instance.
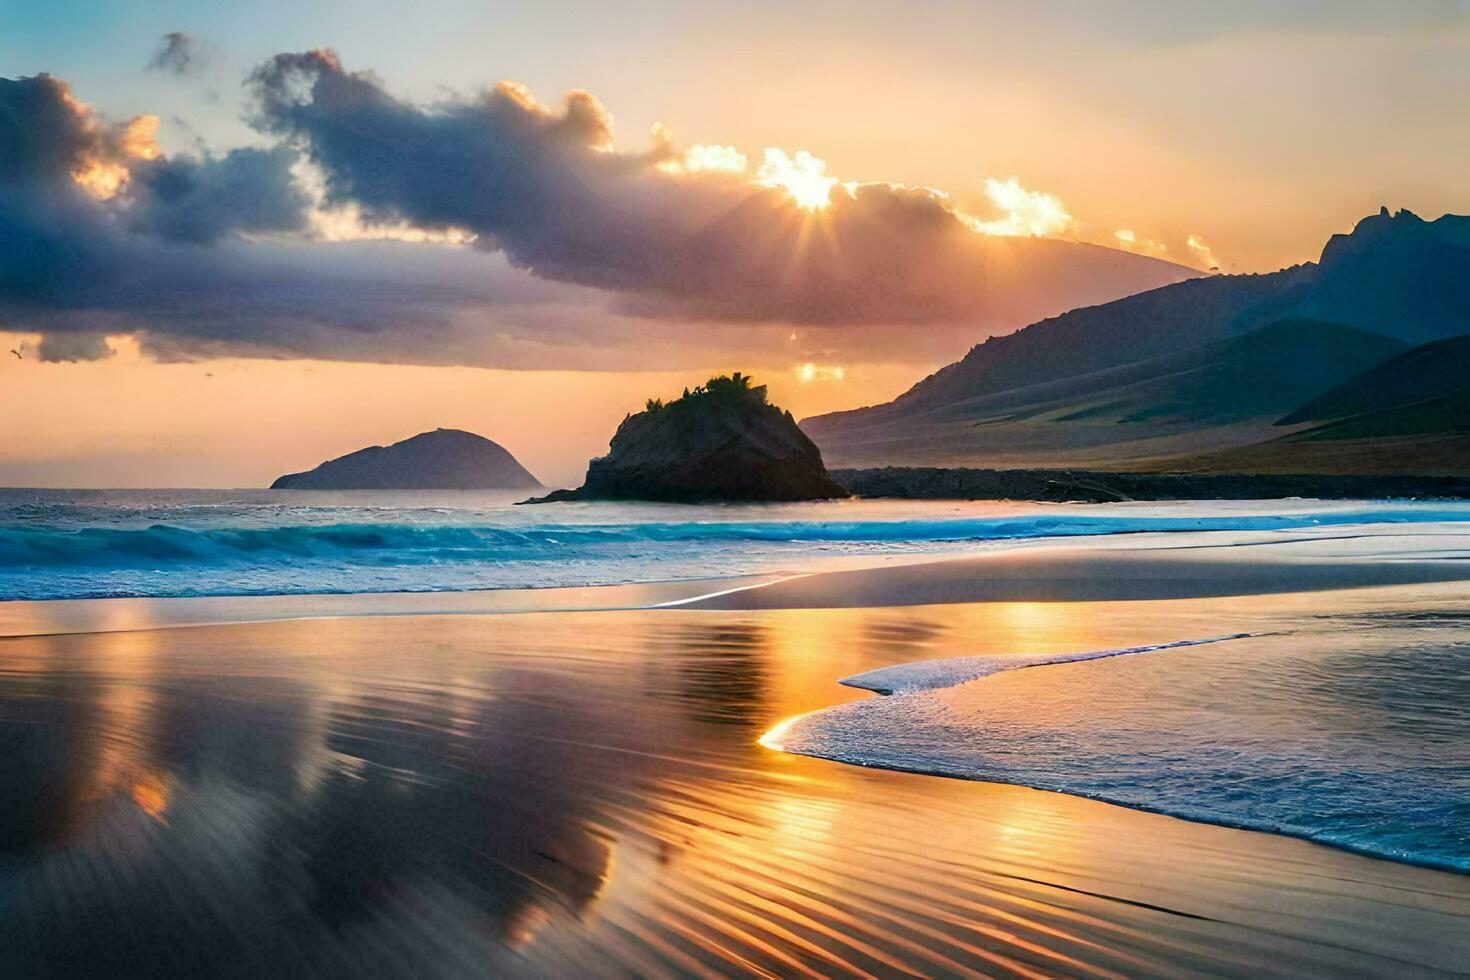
(238, 239)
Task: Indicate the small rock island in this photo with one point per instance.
(720, 442)
(445, 459)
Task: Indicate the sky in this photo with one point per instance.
(239, 239)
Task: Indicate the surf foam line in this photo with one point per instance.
(35, 547)
(673, 603)
(929, 675)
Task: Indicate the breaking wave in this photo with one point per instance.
(69, 550)
(1349, 734)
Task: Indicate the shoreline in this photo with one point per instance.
(771, 740)
(117, 614)
(1136, 565)
(1089, 573)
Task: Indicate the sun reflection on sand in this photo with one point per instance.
(151, 795)
(774, 738)
(573, 794)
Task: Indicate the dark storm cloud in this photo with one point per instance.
(201, 199)
(65, 173)
(546, 187)
(74, 347)
(179, 53)
(160, 256)
(44, 133)
(154, 249)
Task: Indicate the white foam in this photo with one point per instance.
(927, 675)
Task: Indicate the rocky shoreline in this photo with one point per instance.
(1092, 486)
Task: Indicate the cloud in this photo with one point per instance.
(704, 157)
(74, 347)
(202, 199)
(58, 157)
(1023, 212)
(1195, 248)
(548, 188)
(179, 54)
(100, 233)
(803, 176)
(525, 237)
(1130, 241)
(1202, 252)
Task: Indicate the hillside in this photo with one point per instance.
(1264, 372)
(1427, 371)
(1407, 415)
(1229, 391)
(1444, 413)
(1428, 455)
(1427, 437)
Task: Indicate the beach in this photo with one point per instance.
(451, 789)
(692, 490)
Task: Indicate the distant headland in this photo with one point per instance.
(445, 459)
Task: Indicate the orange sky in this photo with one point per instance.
(128, 422)
(1239, 134)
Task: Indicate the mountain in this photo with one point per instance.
(722, 441)
(445, 459)
(1146, 377)
(1427, 371)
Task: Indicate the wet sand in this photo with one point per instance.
(1138, 567)
(583, 793)
(55, 616)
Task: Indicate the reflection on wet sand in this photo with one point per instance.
(573, 794)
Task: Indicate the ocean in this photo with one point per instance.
(1350, 728)
(68, 544)
(1346, 725)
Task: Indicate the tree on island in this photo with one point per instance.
(735, 386)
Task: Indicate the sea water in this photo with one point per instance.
(106, 543)
(1350, 728)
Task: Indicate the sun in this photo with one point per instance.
(809, 372)
(803, 177)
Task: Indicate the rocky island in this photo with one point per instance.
(721, 441)
(445, 459)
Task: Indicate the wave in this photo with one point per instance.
(51, 545)
(87, 549)
(1275, 736)
(928, 675)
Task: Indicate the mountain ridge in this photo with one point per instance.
(1395, 275)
